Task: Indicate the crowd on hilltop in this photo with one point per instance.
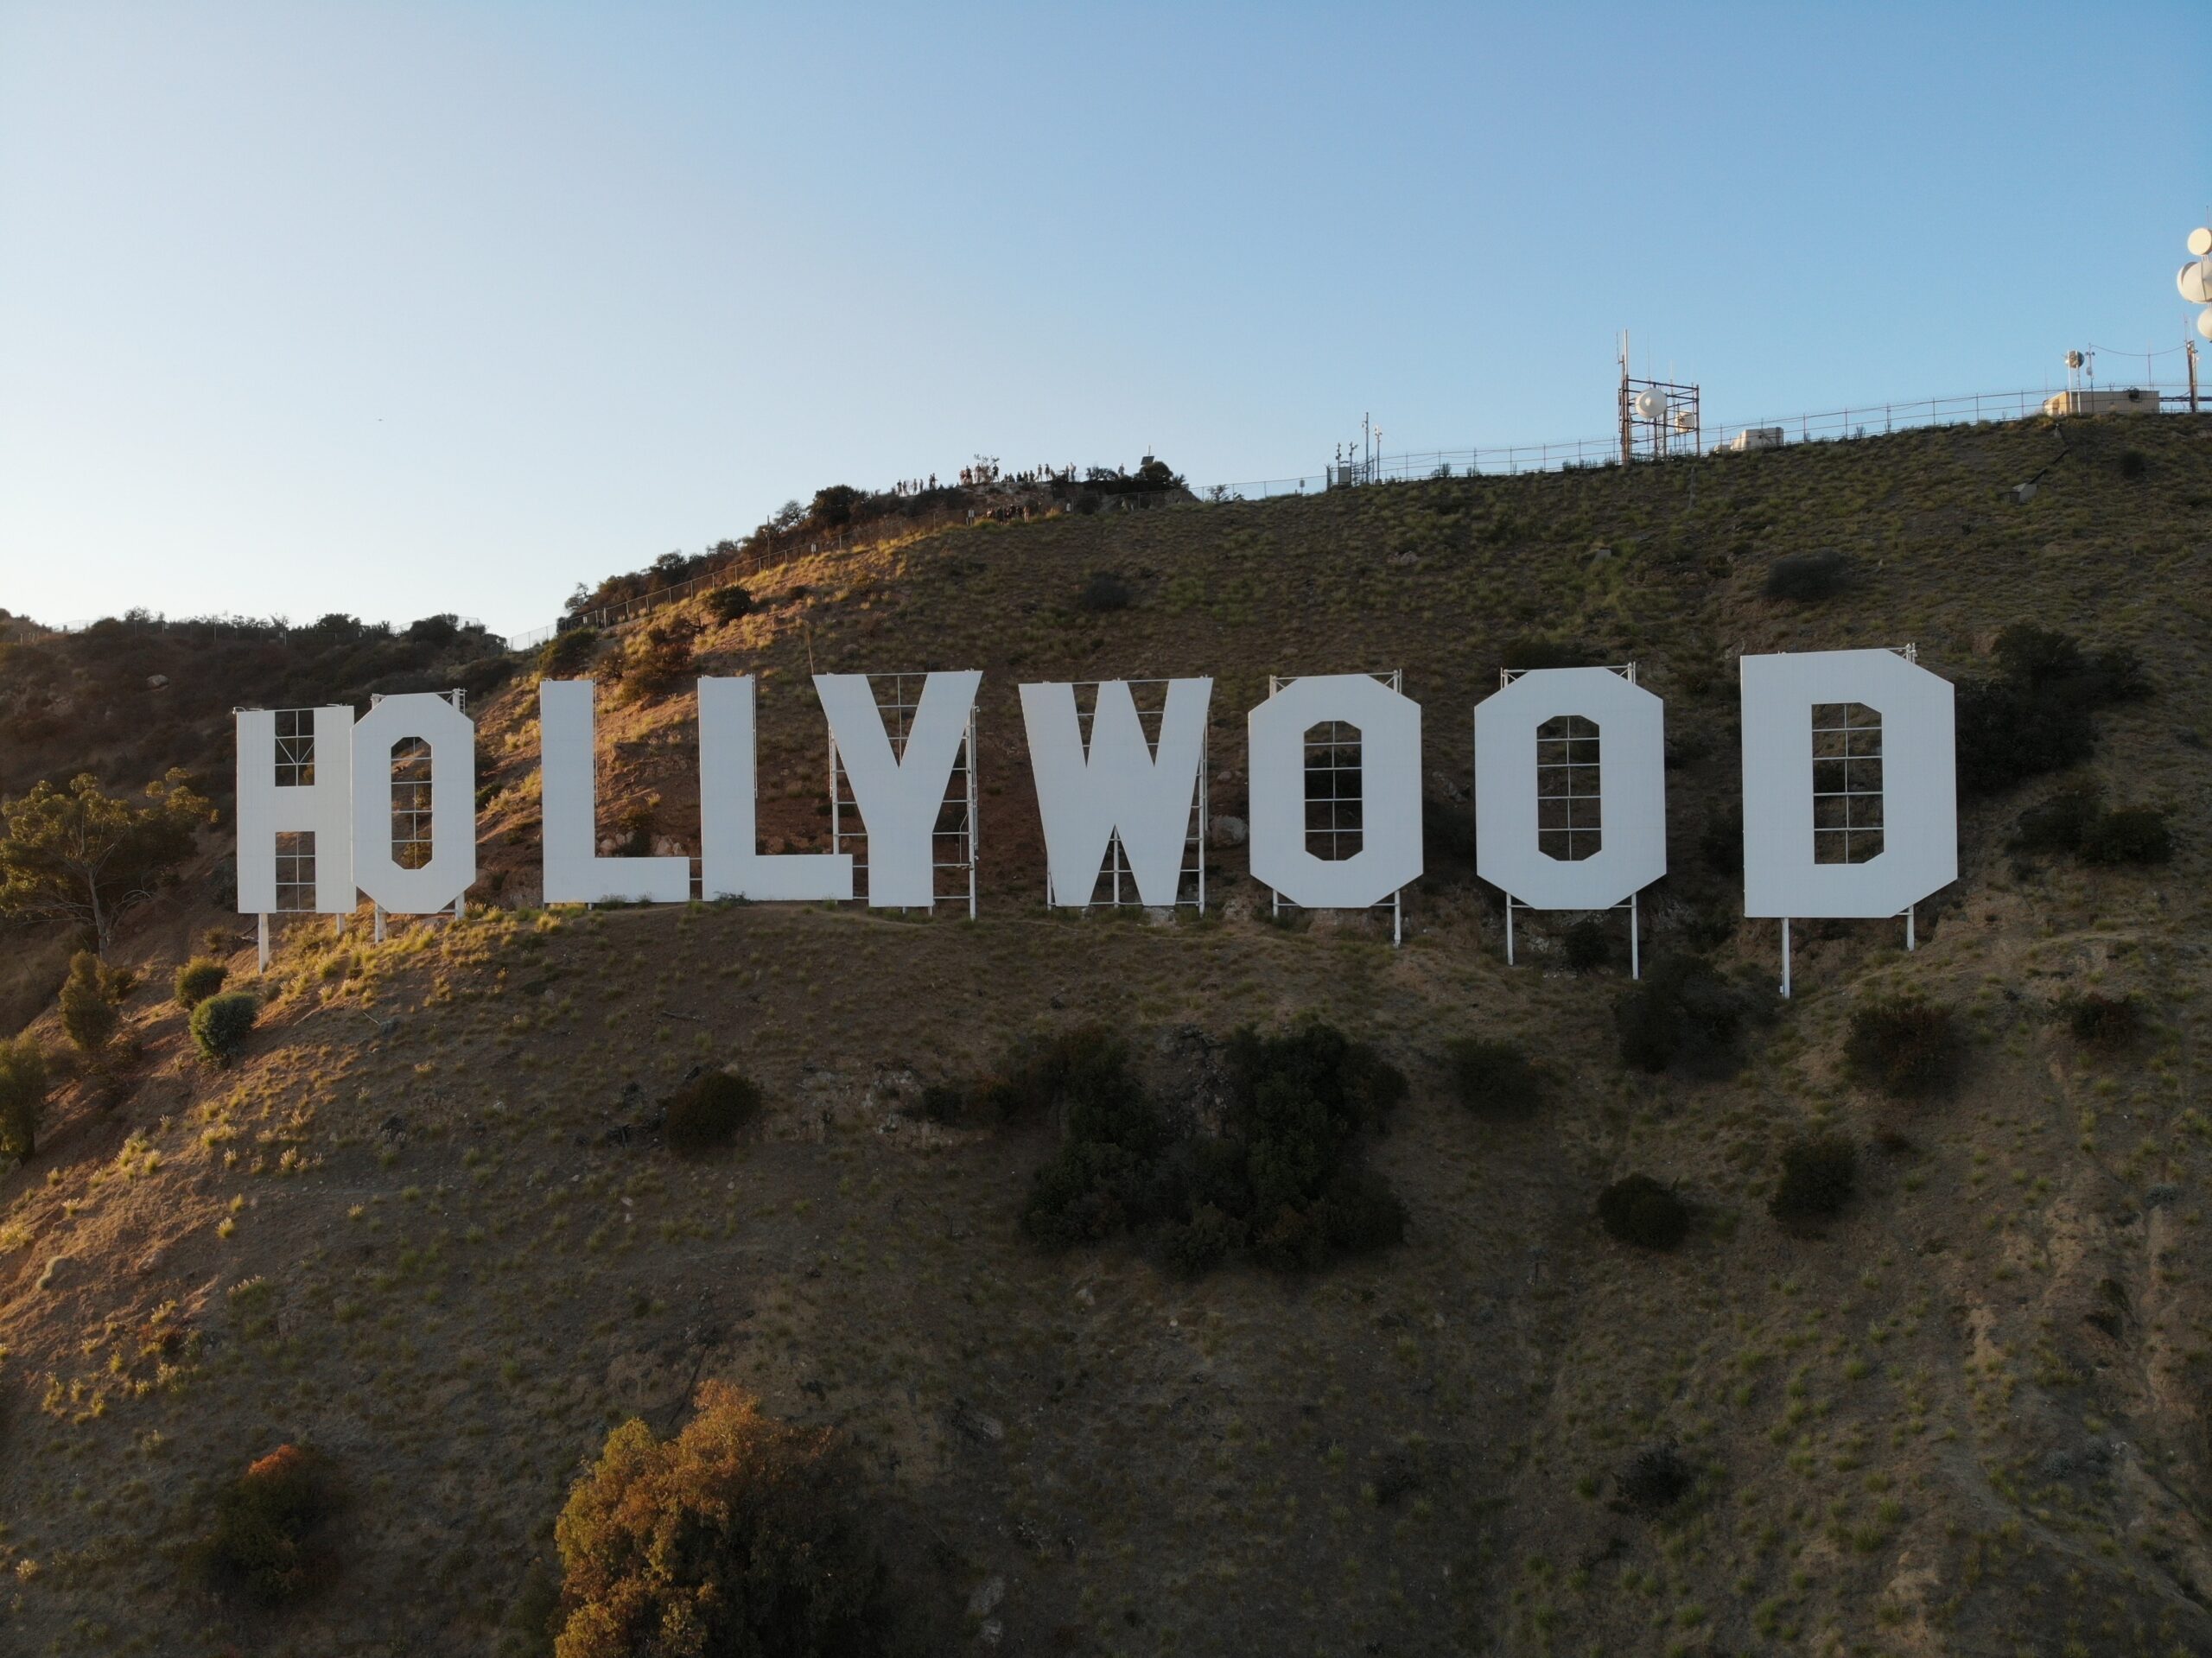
(985, 472)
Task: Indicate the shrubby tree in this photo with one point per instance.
(89, 999)
(23, 1097)
(743, 1535)
(265, 1544)
(221, 1024)
(80, 856)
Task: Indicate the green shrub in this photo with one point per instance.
(1284, 1182)
(942, 1103)
(1656, 1477)
(1588, 944)
(2074, 820)
(1908, 1048)
(23, 1097)
(1104, 591)
(568, 654)
(198, 979)
(219, 1025)
(728, 604)
(1104, 1180)
(656, 661)
(2105, 1023)
(1194, 1247)
(1807, 578)
(2039, 716)
(706, 1113)
(1638, 1210)
(265, 1544)
(1818, 1178)
(89, 995)
(2133, 835)
(742, 1535)
(1493, 1079)
(2060, 823)
(1682, 1015)
(1038, 1076)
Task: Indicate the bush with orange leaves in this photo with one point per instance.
(742, 1535)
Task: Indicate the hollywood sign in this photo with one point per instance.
(1849, 794)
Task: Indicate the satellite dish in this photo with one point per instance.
(2204, 324)
(1651, 402)
(2200, 242)
(2195, 282)
(2073, 359)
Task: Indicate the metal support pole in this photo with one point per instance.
(1908, 926)
(338, 929)
(1635, 942)
(1398, 918)
(1205, 761)
(973, 826)
(1509, 929)
(1785, 955)
(378, 909)
(264, 945)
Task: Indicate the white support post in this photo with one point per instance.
(338, 925)
(974, 826)
(1635, 939)
(1785, 956)
(264, 938)
(1509, 929)
(1205, 762)
(378, 910)
(1908, 926)
(1398, 918)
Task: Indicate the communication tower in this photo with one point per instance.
(1657, 417)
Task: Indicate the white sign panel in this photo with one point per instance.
(1389, 854)
(417, 717)
(575, 873)
(730, 863)
(899, 795)
(1887, 762)
(1631, 793)
(1119, 787)
(275, 798)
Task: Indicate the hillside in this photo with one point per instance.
(423, 1224)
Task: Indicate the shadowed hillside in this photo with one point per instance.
(427, 1223)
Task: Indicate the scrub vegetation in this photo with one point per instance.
(1451, 1307)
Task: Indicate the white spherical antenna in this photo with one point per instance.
(1652, 404)
(2204, 324)
(2073, 359)
(2200, 242)
(2195, 282)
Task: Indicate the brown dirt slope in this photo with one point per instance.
(1970, 1416)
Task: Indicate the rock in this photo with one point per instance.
(978, 1427)
(56, 1270)
(393, 1128)
(1225, 831)
(157, 682)
(986, 1599)
(992, 1633)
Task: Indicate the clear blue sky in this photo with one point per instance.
(395, 309)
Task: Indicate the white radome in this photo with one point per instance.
(1651, 405)
(2195, 282)
(2204, 324)
(2200, 242)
